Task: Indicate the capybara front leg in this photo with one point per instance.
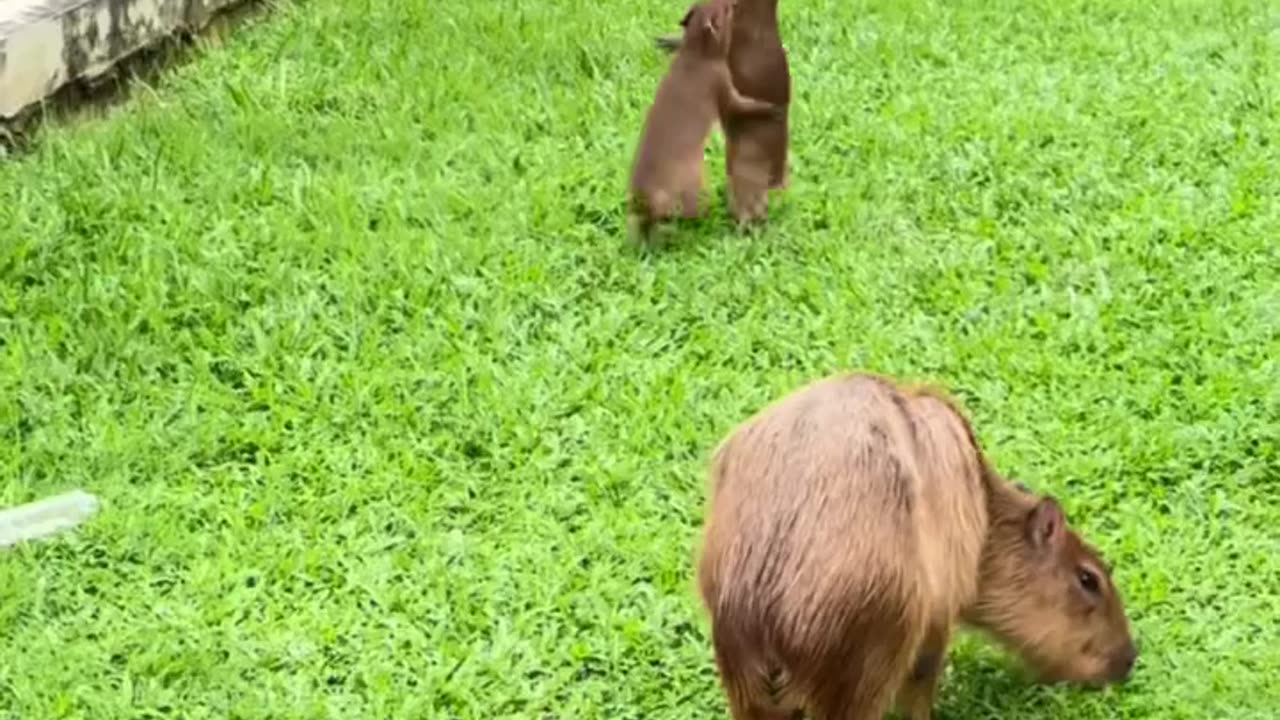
(738, 104)
(919, 691)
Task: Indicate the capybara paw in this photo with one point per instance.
(750, 209)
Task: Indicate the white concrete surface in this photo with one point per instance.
(45, 44)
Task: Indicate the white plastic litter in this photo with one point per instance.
(42, 518)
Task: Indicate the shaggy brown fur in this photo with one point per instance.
(853, 525)
(696, 93)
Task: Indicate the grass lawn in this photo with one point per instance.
(390, 421)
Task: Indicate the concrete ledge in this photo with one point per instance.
(48, 44)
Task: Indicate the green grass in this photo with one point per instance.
(390, 421)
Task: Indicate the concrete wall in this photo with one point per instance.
(45, 44)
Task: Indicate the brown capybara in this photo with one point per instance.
(695, 93)
(853, 525)
(755, 145)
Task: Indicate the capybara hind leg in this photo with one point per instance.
(749, 199)
(781, 180)
(746, 705)
(644, 227)
(780, 170)
(785, 182)
(689, 200)
(852, 703)
(749, 697)
(660, 204)
(862, 682)
(916, 698)
(748, 711)
(748, 172)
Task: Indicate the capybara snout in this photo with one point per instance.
(853, 525)
(1049, 595)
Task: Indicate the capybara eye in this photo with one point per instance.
(1088, 580)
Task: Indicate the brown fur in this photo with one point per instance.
(696, 92)
(853, 525)
(756, 145)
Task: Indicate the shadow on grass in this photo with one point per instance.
(988, 686)
(681, 237)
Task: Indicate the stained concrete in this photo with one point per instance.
(47, 44)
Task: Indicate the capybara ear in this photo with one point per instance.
(1046, 524)
(684, 21)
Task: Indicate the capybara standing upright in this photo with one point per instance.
(853, 525)
(756, 145)
(696, 92)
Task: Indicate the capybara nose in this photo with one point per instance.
(1122, 664)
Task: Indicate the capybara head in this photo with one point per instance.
(707, 26)
(1048, 595)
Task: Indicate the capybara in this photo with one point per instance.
(853, 525)
(755, 145)
(695, 93)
